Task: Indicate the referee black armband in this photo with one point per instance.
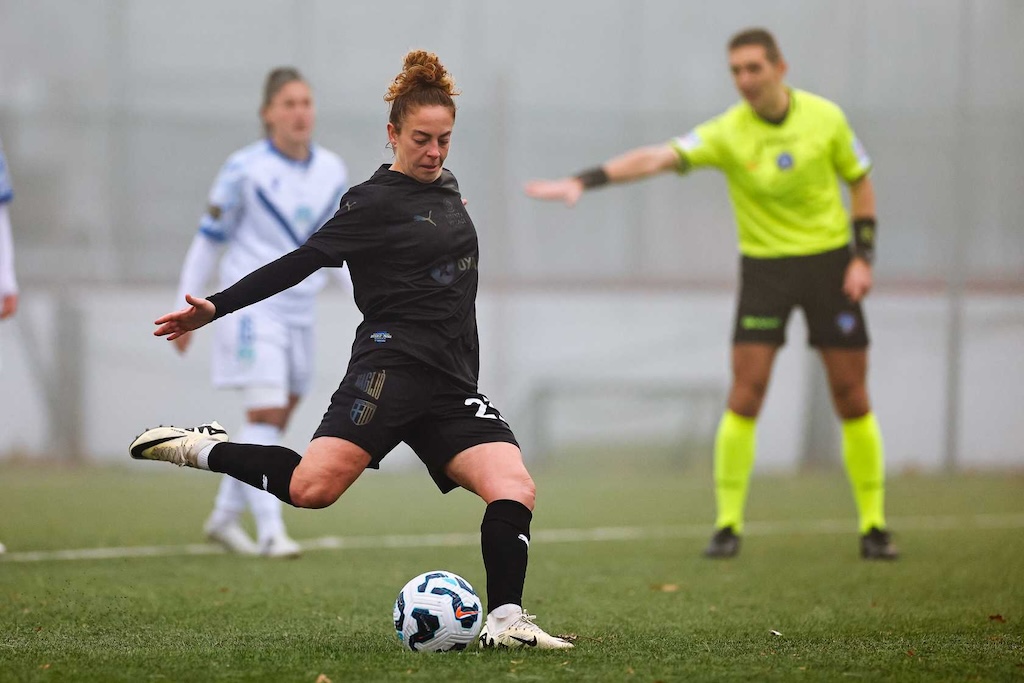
(593, 177)
(864, 230)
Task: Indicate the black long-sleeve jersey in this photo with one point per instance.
(412, 251)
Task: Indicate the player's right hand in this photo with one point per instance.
(568, 190)
(174, 325)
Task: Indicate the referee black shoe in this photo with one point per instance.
(725, 543)
(876, 544)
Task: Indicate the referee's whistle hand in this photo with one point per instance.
(568, 190)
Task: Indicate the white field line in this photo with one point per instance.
(598, 534)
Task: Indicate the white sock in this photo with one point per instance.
(203, 459)
(265, 507)
(230, 502)
(499, 618)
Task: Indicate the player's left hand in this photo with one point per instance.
(857, 282)
(176, 324)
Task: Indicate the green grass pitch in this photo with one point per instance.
(798, 604)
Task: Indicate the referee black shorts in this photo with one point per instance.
(771, 288)
(376, 407)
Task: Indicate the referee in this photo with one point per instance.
(781, 150)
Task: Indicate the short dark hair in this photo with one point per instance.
(757, 36)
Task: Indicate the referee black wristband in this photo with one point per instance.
(593, 177)
(864, 230)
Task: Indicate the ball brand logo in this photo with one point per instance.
(461, 612)
(784, 161)
(380, 337)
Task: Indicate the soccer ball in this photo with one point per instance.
(436, 612)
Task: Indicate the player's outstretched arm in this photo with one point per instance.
(174, 325)
(635, 164)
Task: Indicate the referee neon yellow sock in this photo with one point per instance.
(865, 466)
(735, 445)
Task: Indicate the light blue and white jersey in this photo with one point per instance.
(6, 191)
(263, 205)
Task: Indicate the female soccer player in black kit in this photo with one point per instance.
(412, 252)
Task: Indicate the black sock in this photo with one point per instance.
(265, 467)
(505, 541)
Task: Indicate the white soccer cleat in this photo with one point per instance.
(178, 445)
(232, 537)
(280, 545)
(522, 632)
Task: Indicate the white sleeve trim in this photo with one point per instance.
(8, 283)
(200, 261)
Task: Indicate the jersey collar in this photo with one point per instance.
(295, 162)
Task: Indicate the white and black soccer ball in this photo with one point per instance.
(438, 611)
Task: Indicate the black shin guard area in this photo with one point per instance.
(265, 467)
(505, 541)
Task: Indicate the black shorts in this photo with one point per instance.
(770, 288)
(377, 406)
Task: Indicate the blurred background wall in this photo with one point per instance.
(605, 324)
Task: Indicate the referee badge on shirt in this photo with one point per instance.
(784, 161)
(362, 412)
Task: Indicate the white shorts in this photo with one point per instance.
(266, 357)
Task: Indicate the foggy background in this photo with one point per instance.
(607, 324)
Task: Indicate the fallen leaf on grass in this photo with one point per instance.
(910, 653)
(997, 617)
(45, 666)
(665, 587)
(322, 678)
(774, 632)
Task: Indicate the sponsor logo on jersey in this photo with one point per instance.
(214, 211)
(784, 161)
(265, 483)
(372, 383)
(455, 215)
(846, 322)
(443, 273)
(303, 214)
(362, 412)
(380, 337)
(524, 539)
(348, 205)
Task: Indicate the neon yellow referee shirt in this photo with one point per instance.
(783, 178)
